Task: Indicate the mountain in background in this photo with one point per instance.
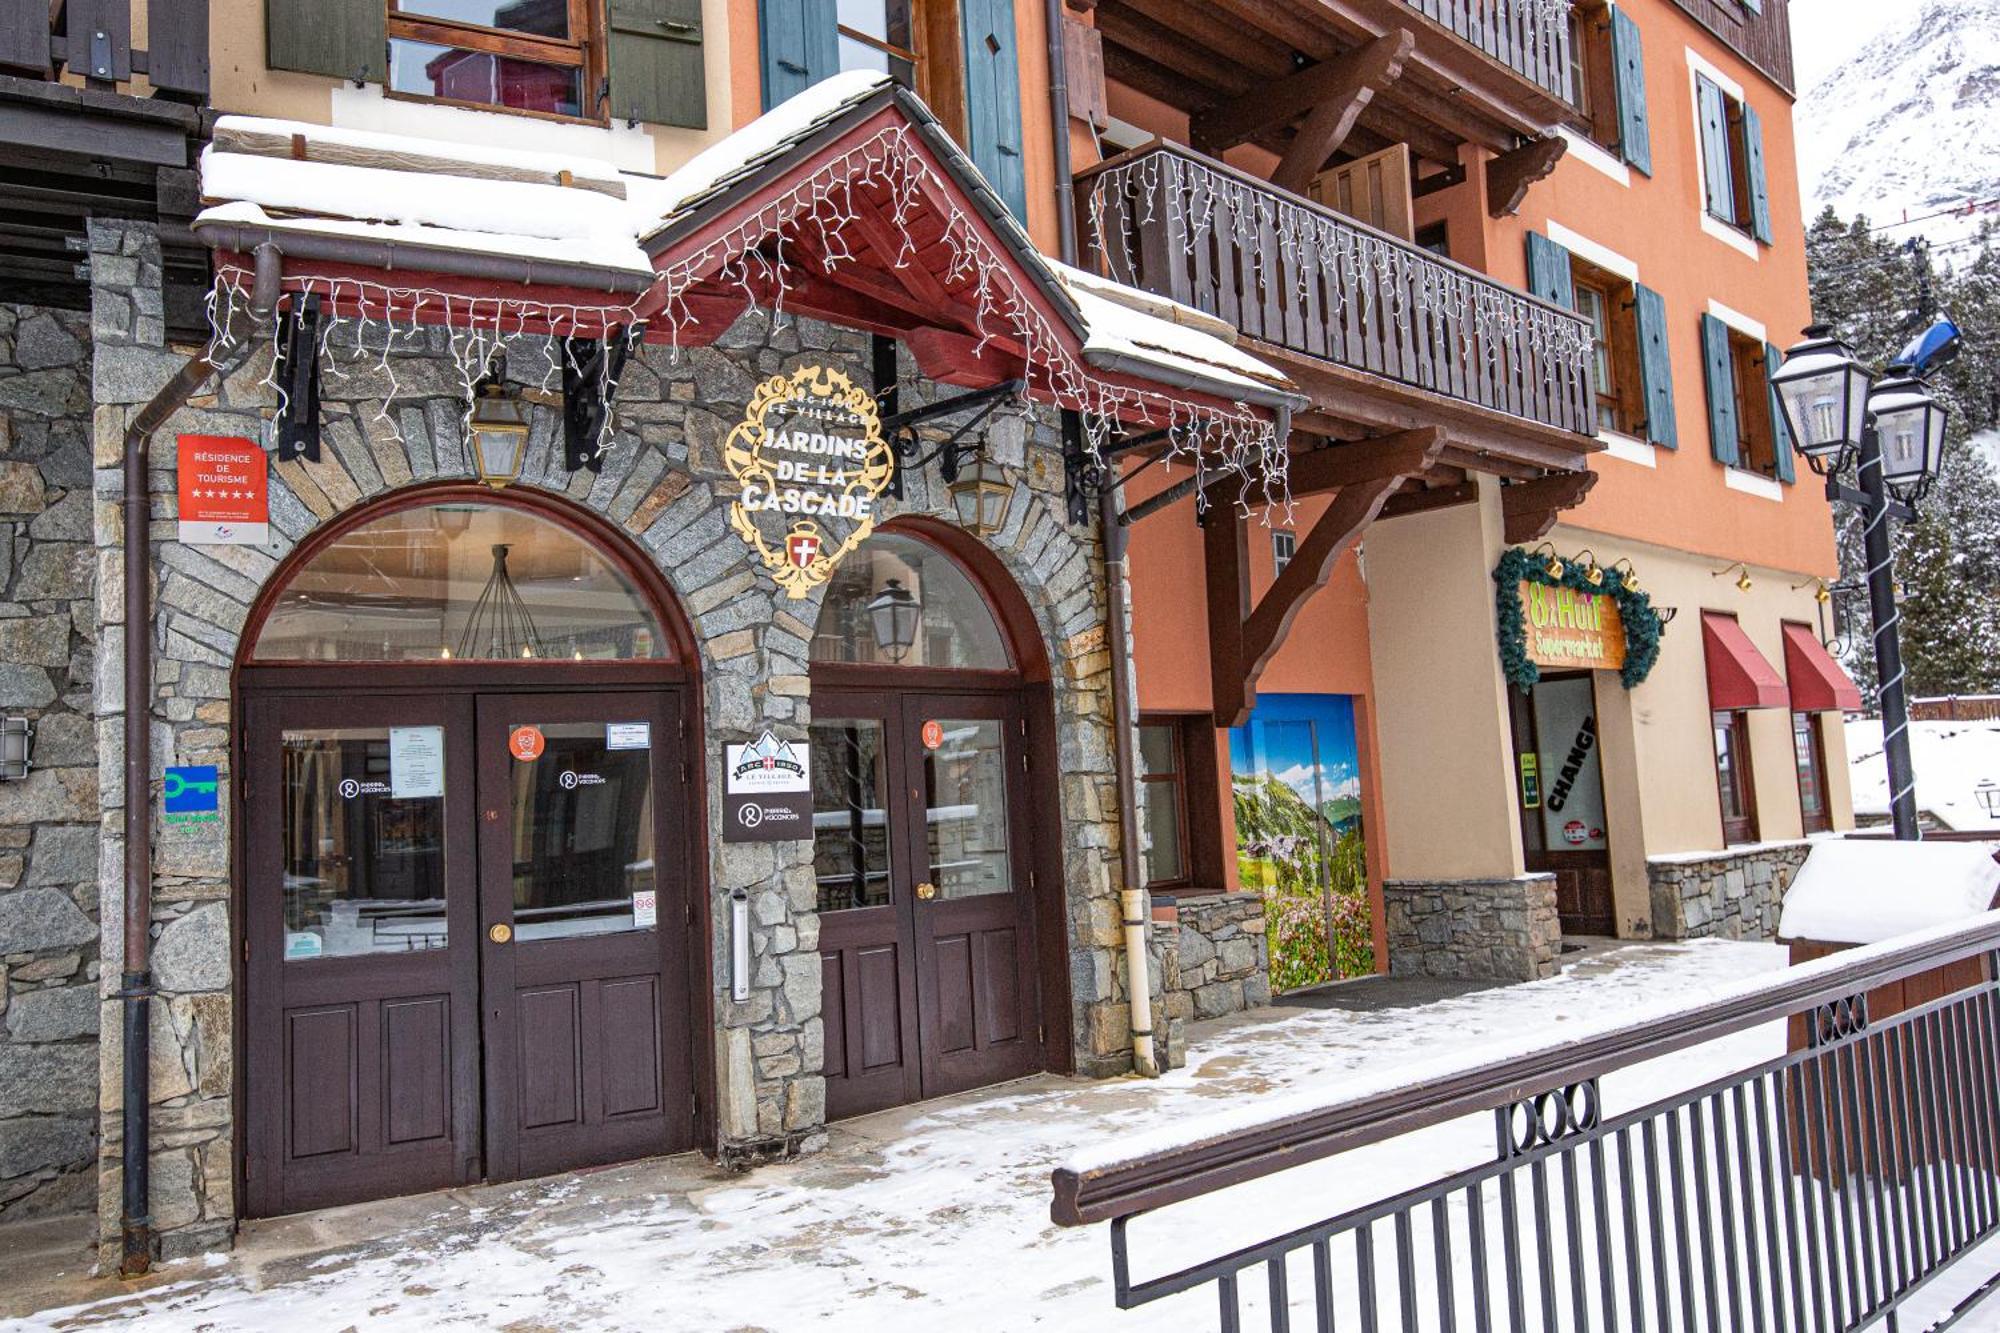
(1910, 125)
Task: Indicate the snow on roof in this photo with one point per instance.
(1146, 303)
(1853, 891)
(1113, 327)
(627, 258)
(404, 145)
(1951, 760)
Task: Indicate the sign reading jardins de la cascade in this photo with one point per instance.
(811, 461)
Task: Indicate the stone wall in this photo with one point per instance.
(1217, 962)
(48, 824)
(1732, 895)
(1473, 929)
(664, 485)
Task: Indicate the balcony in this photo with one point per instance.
(1530, 37)
(1512, 371)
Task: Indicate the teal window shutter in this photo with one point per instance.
(1721, 199)
(1628, 61)
(993, 99)
(653, 62)
(343, 39)
(1656, 366)
(800, 44)
(1721, 376)
(1753, 171)
(1781, 435)
(1549, 272)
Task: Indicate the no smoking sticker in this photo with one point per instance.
(526, 743)
(933, 734)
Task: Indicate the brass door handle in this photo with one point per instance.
(926, 891)
(500, 932)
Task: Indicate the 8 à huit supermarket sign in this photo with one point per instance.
(1571, 630)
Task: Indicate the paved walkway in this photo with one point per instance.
(929, 1217)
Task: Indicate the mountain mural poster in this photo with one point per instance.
(1296, 770)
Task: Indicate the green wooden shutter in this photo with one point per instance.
(1781, 435)
(1720, 372)
(654, 62)
(993, 99)
(1753, 171)
(1721, 199)
(344, 39)
(800, 42)
(1549, 272)
(1628, 63)
(1656, 366)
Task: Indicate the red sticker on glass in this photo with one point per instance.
(933, 734)
(526, 743)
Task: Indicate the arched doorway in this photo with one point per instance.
(926, 720)
(466, 854)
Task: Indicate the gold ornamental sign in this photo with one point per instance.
(809, 457)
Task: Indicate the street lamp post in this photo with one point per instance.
(1894, 433)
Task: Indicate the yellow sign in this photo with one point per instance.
(808, 454)
(1571, 629)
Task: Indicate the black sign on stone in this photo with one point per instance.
(780, 817)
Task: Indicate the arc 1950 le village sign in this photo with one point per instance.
(811, 460)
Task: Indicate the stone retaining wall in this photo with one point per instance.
(49, 823)
(1732, 895)
(1473, 929)
(1217, 962)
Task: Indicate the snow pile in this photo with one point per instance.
(1951, 759)
(1861, 892)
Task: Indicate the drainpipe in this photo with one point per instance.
(1059, 117)
(135, 993)
(1131, 893)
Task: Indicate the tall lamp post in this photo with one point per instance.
(1892, 429)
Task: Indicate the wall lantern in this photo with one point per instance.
(17, 744)
(1823, 388)
(981, 494)
(498, 425)
(1911, 425)
(1552, 563)
(894, 614)
(1593, 573)
(1627, 575)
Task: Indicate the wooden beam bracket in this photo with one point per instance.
(1344, 83)
(1529, 509)
(1509, 175)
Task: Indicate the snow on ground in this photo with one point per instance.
(912, 1219)
(1951, 759)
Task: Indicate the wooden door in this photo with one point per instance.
(360, 913)
(1563, 819)
(583, 895)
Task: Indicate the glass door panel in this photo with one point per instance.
(968, 850)
(581, 819)
(851, 827)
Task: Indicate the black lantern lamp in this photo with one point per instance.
(980, 493)
(1911, 425)
(498, 425)
(1823, 388)
(894, 614)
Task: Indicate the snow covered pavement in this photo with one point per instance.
(925, 1218)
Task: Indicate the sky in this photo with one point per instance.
(1826, 32)
(1279, 741)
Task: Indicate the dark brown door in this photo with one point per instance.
(360, 909)
(1563, 822)
(583, 898)
(921, 846)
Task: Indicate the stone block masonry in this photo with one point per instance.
(1473, 929)
(1217, 961)
(1732, 895)
(49, 967)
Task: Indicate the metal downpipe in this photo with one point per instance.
(1131, 893)
(1059, 120)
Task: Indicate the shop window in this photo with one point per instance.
(537, 56)
(1732, 776)
(1746, 429)
(1732, 160)
(1809, 750)
(1163, 793)
(1284, 545)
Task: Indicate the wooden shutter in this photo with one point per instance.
(800, 42)
(1375, 189)
(1083, 72)
(1548, 271)
(344, 39)
(653, 53)
(1720, 370)
(1753, 172)
(993, 99)
(1721, 199)
(1628, 63)
(1781, 435)
(1656, 366)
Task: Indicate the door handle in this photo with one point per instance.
(926, 891)
(500, 932)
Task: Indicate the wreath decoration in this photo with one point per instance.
(1643, 627)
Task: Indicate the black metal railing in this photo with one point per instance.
(1818, 1190)
(1297, 275)
(1530, 37)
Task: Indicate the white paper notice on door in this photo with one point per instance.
(416, 762)
(645, 910)
(628, 735)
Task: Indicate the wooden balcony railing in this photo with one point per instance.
(1296, 275)
(92, 39)
(1530, 37)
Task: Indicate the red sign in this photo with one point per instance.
(802, 548)
(933, 735)
(224, 498)
(526, 743)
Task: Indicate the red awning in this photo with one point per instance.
(1818, 683)
(1738, 675)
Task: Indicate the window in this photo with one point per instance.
(536, 56)
(1809, 751)
(1436, 238)
(897, 601)
(1732, 776)
(1284, 545)
(1631, 368)
(1607, 302)
(1745, 427)
(878, 35)
(1163, 794)
(1732, 160)
(1755, 443)
(1592, 77)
